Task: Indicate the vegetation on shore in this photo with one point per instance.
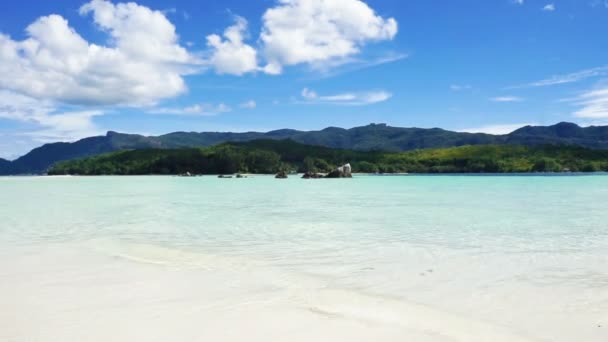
(271, 156)
(373, 137)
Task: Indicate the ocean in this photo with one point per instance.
(373, 258)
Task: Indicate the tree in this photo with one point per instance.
(227, 161)
(546, 165)
(259, 161)
(309, 165)
(365, 167)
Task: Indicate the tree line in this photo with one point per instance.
(272, 156)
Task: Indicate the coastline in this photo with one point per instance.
(472, 259)
(355, 174)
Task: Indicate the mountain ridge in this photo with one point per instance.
(372, 137)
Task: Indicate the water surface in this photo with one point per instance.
(450, 258)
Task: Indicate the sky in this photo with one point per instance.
(71, 69)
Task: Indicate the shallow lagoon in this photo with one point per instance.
(430, 258)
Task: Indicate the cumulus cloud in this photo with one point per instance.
(205, 109)
(347, 99)
(141, 64)
(594, 104)
(319, 31)
(231, 55)
(249, 104)
(52, 124)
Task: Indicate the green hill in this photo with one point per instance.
(270, 156)
(374, 137)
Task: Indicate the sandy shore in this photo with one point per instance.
(73, 293)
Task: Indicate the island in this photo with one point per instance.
(274, 156)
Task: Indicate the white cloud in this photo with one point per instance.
(51, 123)
(309, 94)
(460, 87)
(347, 99)
(138, 31)
(507, 99)
(566, 78)
(336, 67)
(549, 8)
(231, 55)
(594, 104)
(68, 126)
(249, 104)
(317, 31)
(205, 109)
(142, 63)
(518, 2)
(497, 129)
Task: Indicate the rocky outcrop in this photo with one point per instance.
(344, 171)
(281, 175)
(312, 175)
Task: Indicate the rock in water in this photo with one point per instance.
(312, 175)
(281, 175)
(348, 171)
(344, 171)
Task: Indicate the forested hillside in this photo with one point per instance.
(270, 156)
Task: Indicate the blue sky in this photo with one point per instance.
(70, 69)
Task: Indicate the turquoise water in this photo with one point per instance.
(504, 213)
(524, 252)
